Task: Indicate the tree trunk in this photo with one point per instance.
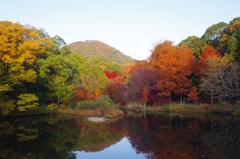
(58, 101)
(144, 106)
(169, 100)
(211, 97)
(181, 98)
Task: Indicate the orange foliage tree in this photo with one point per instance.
(174, 65)
(193, 95)
(164, 59)
(186, 63)
(207, 52)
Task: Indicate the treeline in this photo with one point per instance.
(37, 70)
(198, 69)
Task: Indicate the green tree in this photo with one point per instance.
(195, 43)
(27, 101)
(20, 47)
(58, 73)
(93, 79)
(213, 33)
(229, 43)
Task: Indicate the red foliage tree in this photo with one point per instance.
(111, 75)
(141, 81)
(80, 94)
(114, 87)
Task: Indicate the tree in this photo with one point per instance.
(195, 43)
(193, 95)
(114, 86)
(213, 33)
(140, 82)
(20, 46)
(164, 60)
(58, 73)
(110, 75)
(221, 79)
(27, 101)
(186, 61)
(58, 84)
(174, 66)
(207, 52)
(229, 45)
(93, 79)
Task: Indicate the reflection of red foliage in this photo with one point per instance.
(111, 75)
(82, 124)
(116, 127)
(113, 130)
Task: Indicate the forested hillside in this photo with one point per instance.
(92, 48)
(39, 71)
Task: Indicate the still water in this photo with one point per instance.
(134, 136)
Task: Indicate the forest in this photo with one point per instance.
(39, 72)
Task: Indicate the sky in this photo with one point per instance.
(131, 26)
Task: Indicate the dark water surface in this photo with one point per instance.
(134, 136)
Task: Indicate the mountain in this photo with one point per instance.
(92, 48)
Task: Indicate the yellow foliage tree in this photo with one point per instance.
(20, 46)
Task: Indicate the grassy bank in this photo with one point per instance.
(181, 108)
(103, 106)
(98, 112)
(34, 112)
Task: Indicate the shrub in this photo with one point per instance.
(103, 101)
(166, 108)
(186, 106)
(238, 102)
(86, 105)
(220, 102)
(51, 107)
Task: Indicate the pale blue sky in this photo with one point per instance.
(131, 26)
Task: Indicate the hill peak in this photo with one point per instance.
(93, 48)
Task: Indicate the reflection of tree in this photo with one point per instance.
(36, 138)
(26, 134)
(55, 138)
(154, 135)
(184, 138)
(159, 137)
(222, 137)
(98, 136)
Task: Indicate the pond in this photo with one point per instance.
(134, 136)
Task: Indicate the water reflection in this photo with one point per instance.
(178, 137)
(120, 150)
(42, 137)
(134, 136)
